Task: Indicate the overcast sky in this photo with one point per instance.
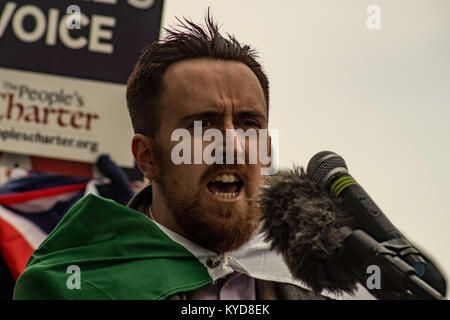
(379, 98)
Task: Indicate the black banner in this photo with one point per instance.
(90, 39)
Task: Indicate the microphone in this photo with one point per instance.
(330, 171)
(302, 223)
(323, 243)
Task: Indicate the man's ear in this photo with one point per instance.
(269, 151)
(143, 149)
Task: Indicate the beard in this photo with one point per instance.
(216, 226)
(220, 227)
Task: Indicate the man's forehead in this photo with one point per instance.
(209, 83)
(201, 69)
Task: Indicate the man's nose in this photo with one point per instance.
(234, 145)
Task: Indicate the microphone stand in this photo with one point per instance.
(400, 279)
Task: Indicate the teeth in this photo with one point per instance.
(226, 195)
(227, 178)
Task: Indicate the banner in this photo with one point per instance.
(63, 70)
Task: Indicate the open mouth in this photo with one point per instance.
(225, 186)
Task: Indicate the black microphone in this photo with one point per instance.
(313, 233)
(302, 222)
(330, 171)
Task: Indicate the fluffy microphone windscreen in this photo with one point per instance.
(303, 222)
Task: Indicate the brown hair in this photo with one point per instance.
(192, 41)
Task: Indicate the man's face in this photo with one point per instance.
(213, 204)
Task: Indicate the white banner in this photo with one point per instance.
(63, 117)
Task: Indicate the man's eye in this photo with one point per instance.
(251, 123)
(204, 123)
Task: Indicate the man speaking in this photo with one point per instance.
(193, 233)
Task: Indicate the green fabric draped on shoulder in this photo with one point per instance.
(120, 253)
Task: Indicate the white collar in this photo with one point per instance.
(254, 258)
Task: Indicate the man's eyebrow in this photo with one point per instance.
(201, 115)
(251, 114)
(215, 114)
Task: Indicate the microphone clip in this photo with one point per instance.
(401, 279)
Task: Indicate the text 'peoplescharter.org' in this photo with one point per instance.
(37, 137)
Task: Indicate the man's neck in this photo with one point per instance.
(162, 214)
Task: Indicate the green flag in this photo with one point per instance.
(103, 250)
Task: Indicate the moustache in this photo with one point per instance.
(238, 169)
